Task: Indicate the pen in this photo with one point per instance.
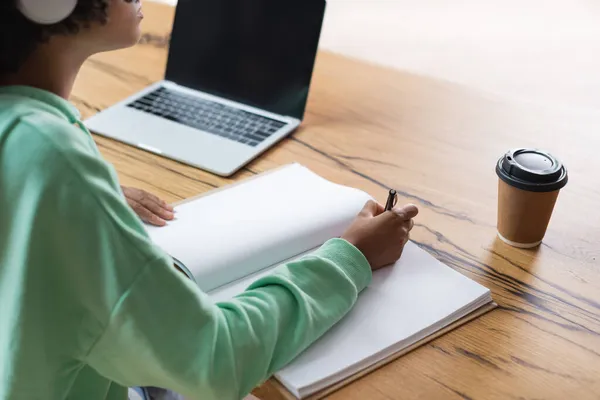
(391, 201)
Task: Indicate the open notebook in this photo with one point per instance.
(229, 238)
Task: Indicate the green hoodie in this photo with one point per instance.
(89, 306)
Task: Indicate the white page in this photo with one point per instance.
(403, 303)
(236, 232)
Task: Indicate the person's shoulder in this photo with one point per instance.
(38, 143)
(62, 170)
(39, 125)
(19, 111)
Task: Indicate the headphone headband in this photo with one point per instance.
(46, 12)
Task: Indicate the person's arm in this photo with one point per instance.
(165, 332)
(125, 311)
(136, 320)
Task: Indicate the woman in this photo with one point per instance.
(90, 306)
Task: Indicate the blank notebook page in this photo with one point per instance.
(399, 308)
(230, 234)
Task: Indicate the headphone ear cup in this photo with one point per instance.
(46, 12)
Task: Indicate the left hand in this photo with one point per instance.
(148, 207)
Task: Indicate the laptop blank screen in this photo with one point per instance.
(256, 52)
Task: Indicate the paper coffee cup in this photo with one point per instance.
(528, 187)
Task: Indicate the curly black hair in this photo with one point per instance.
(19, 36)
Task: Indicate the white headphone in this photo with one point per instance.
(46, 12)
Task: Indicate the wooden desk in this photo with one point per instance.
(375, 128)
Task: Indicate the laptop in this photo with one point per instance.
(237, 81)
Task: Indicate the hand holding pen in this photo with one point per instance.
(381, 233)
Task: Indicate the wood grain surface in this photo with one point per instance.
(437, 144)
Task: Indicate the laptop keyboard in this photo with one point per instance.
(216, 118)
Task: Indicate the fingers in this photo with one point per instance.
(150, 198)
(146, 215)
(148, 207)
(405, 229)
(407, 225)
(405, 241)
(372, 209)
(155, 205)
(141, 196)
(150, 202)
(161, 203)
(407, 212)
